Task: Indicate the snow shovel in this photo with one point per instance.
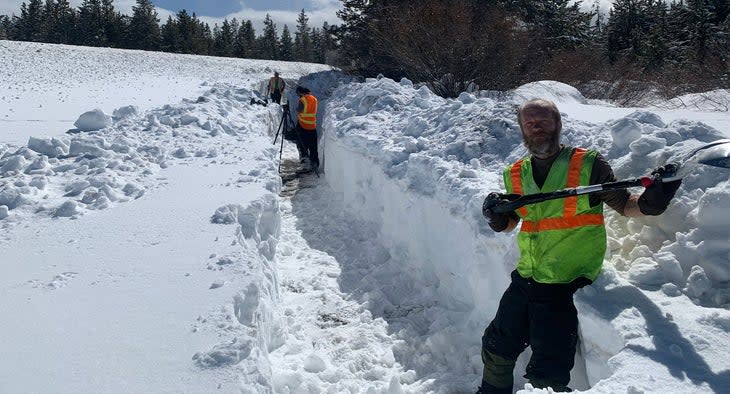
(716, 154)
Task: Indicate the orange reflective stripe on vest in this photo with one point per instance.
(515, 175)
(561, 223)
(308, 116)
(576, 161)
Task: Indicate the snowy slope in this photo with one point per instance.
(158, 255)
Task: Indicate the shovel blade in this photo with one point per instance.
(716, 154)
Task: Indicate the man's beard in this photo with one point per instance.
(542, 147)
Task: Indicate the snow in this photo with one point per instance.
(161, 252)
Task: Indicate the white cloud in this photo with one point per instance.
(10, 7)
(280, 17)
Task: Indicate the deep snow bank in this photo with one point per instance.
(76, 174)
(417, 167)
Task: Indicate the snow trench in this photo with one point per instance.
(398, 209)
(439, 276)
(431, 267)
(432, 271)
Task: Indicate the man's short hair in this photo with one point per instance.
(539, 103)
(302, 90)
(276, 73)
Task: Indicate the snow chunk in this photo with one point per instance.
(647, 144)
(314, 364)
(188, 119)
(3, 211)
(11, 198)
(180, 153)
(555, 91)
(713, 207)
(13, 163)
(625, 131)
(466, 98)
(93, 120)
(647, 117)
(217, 284)
(655, 270)
(51, 147)
(244, 306)
(88, 147)
(697, 283)
(226, 214)
(38, 166)
(224, 354)
(125, 112)
(67, 209)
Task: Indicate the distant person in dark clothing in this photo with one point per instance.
(276, 88)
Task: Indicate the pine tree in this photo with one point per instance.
(720, 10)
(170, 36)
(303, 49)
(64, 23)
(355, 34)
(269, 42)
(245, 43)
(5, 26)
(204, 38)
(235, 27)
(328, 41)
(599, 21)
(317, 50)
(700, 28)
(89, 30)
(561, 24)
(144, 29)
(629, 22)
(30, 24)
(48, 22)
(286, 46)
(187, 31)
(224, 39)
(113, 25)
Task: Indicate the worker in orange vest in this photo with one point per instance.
(276, 87)
(307, 126)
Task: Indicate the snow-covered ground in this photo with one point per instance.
(163, 254)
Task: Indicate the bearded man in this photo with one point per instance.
(562, 243)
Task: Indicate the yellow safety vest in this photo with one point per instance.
(559, 240)
(275, 84)
(308, 117)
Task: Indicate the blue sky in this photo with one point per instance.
(201, 7)
(283, 12)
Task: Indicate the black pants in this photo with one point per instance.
(542, 316)
(276, 97)
(308, 139)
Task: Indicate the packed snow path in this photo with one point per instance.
(332, 339)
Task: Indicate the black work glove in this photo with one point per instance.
(498, 221)
(656, 198)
